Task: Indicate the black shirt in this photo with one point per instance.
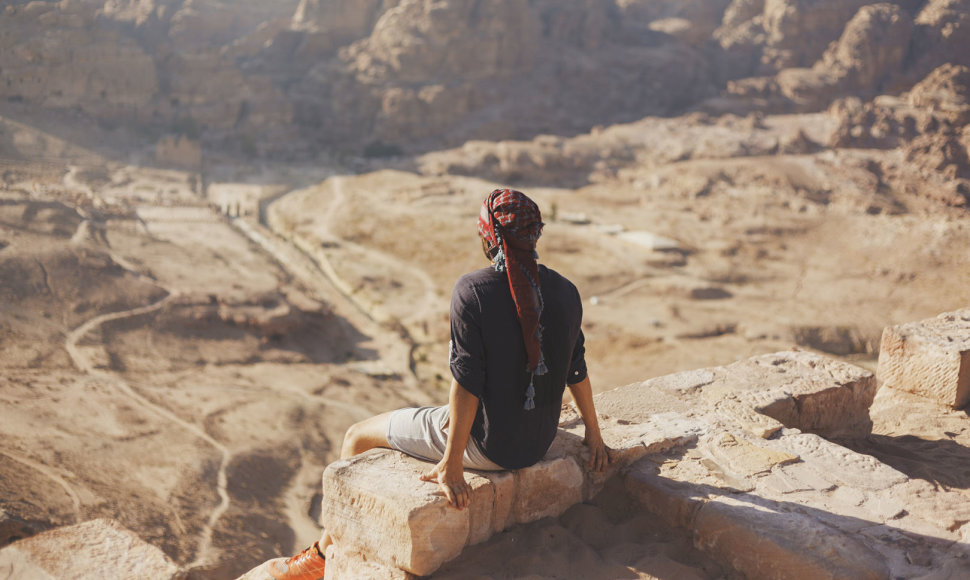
(488, 358)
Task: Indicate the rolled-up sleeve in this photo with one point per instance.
(577, 365)
(466, 356)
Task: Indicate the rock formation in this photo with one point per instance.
(929, 358)
(739, 455)
(89, 551)
(416, 74)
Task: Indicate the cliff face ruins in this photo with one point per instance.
(289, 77)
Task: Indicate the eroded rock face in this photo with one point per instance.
(419, 40)
(409, 75)
(930, 358)
(947, 90)
(869, 52)
(92, 550)
(799, 31)
(56, 55)
(872, 47)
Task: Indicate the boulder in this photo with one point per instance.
(930, 358)
(95, 549)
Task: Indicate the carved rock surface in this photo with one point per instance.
(762, 543)
(776, 502)
(930, 358)
(94, 550)
(406, 525)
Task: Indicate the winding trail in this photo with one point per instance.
(395, 339)
(86, 365)
(390, 339)
(317, 273)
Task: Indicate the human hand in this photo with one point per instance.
(600, 455)
(451, 480)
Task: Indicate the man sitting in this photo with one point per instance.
(516, 343)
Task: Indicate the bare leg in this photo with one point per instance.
(368, 434)
(364, 436)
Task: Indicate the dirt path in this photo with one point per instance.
(317, 273)
(87, 365)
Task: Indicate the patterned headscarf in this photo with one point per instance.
(510, 223)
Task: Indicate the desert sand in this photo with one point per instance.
(190, 374)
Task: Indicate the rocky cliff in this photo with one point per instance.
(290, 77)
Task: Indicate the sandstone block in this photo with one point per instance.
(666, 395)
(504, 484)
(93, 550)
(837, 464)
(930, 358)
(672, 501)
(547, 489)
(802, 390)
(762, 539)
(343, 564)
(481, 509)
(742, 458)
(408, 524)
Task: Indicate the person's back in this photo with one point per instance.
(488, 358)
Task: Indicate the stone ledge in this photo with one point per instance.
(93, 550)
(771, 500)
(930, 358)
(756, 536)
(409, 525)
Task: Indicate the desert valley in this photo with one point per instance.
(230, 229)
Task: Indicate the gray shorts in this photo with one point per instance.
(422, 432)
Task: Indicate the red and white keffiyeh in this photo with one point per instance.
(510, 223)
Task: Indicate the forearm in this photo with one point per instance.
(583, 397)
(462, 407)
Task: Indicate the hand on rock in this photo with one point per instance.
(451, 479)
(600, 456)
